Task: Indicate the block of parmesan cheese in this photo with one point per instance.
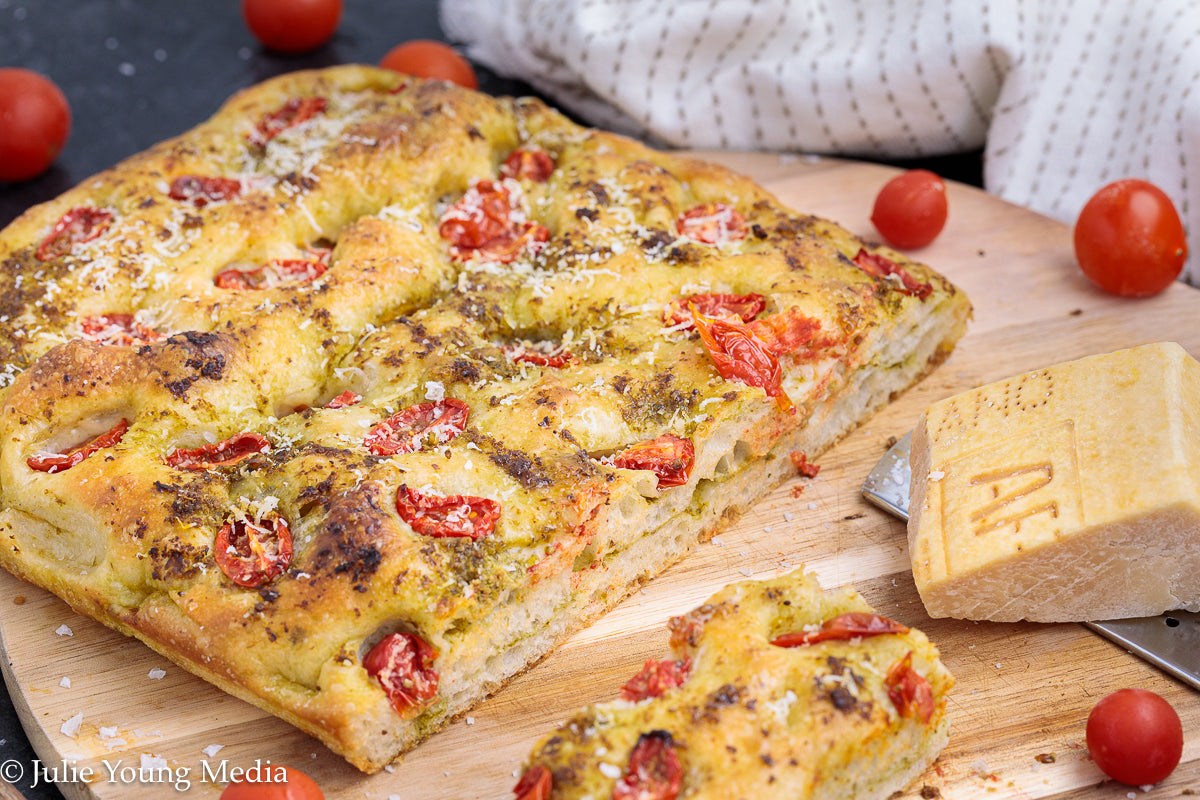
(1063, 495)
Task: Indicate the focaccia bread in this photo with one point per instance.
(359, 397)
(775, 689)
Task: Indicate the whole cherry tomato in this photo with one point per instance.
(292, 26)
(1129, 239)
(35, 121)
(911, 209)
(426, 58)
(295, 786)
(1135, 737)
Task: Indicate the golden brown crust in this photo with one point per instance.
(385, 309)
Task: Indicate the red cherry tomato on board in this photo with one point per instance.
(35, 121)
(292, 26)
(911, 209)
(1129, 239)
(266, 786)
(427, 58)
(1135, 737)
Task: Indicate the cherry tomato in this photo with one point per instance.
(401, 663)
(843, 627)
(280, 272)
(740, 355)
(909, 690)
(117, 329)
(655, 678)
(669, 457)
(294, 786)
(426, 58)
(200, 190)
(1129, 239)
(743, 306)
(292, 26)
(555, 359)
(295, 111)
(411, 429)
(254, 553)
(345, 400)
(35, 121)
(224, 453)
(911, 209)
(456, 515)
(878, 266)
(787, 332)
(535, 784)
(532, 165)
(485, 223)
(714, 223)
(654, 771)
(57, 462)
(1135, 737)
(78, 226)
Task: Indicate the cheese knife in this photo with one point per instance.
(1170, 642)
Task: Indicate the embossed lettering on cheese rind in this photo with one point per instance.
(1067, 494)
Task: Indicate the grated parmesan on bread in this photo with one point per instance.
(349, 404)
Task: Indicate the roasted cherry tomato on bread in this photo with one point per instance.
(76, 227)
(656, 677)
(1129, 239)
(267, 784)
(252, 554)
(1135, 737)
(35, 120)
(57, 462)
(669, 457)
(911, 209)
(403, 665)
(654, 772)
(451, 516)
(292, 26)
(842, 628)
(426, 58)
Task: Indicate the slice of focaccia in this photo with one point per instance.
(775, 689)
(359, 397)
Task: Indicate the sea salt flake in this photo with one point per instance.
(64, 630)
(71, 727)
(156, 674)
(213, 749)
(153, 763)
(65, 683)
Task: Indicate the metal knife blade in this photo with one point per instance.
(1170, 642)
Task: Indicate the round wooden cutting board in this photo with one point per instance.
(144, 728)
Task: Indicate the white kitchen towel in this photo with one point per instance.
(1064, 96)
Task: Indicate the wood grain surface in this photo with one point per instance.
(1023, 692)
